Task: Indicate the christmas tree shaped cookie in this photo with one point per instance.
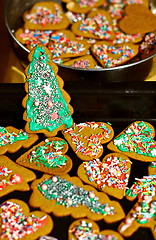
(46, 103)
(87, 229)
(13, 177)
(17, 222)
(144, 211)
(48, 156)
(110, 176)
(136, 141)
(64, 195)
(12, 139)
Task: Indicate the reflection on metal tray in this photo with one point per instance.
(120, 104)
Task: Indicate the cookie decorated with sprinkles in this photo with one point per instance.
(85, 62)
(110, 175)
(17, 222)
(134, 20)
(87, 229)
(97, 24)
(47, 108)
(142, 215)
(45, 16)
(136, 141)
(30, 38)
(48, 156)
(63, 44)
(12, 139)
(13, 177)
(83, 6)
(64, 195)
(111, 55)
(86, 138)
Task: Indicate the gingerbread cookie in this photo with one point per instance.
(142, 215)
(45, 16)
(97, 24)
(111, 55)
(85, 62)
(64, 195)
(30, 38)
(136, 141)
(152, 168)
(86, 138)
(87, 229)
(13, 177)
(142, 187)
(17, 222)
(46, 103)
(48, 156)
(138, 19)
(63, 44)
(110, 176)
(12, 139)
(83, 6)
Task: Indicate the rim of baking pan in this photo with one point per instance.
(121, 67)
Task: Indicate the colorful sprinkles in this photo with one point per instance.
(112, 173)
(15, 225)
(69, 195)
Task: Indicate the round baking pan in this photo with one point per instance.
(135, 71)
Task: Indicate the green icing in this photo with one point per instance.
(137, 138)
(69, 195)
(44, 89)
(9, 138)
(50, 159)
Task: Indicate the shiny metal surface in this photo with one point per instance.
(137, 71)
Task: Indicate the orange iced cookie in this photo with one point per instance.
(110, 176)
(48, 156)
(86, 138)
(13, 177)
(45, 16)
(64, 195)
(47, 108)
(136, 141)
(97, 24)
(88, 229)
(111, 55)
(12, 139)
(17, 222)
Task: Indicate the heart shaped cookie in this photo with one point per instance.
(97, 24)
(63, 44)
(111, 55)
(138, 19)
(110, 176)
(45, 16)
(136, 141)
(17, 222)
(83, 6)
(48, 156)
(87, 229)
(86, 138)
(13, 177)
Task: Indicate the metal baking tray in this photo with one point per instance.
(119, 104)
(134, 71)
